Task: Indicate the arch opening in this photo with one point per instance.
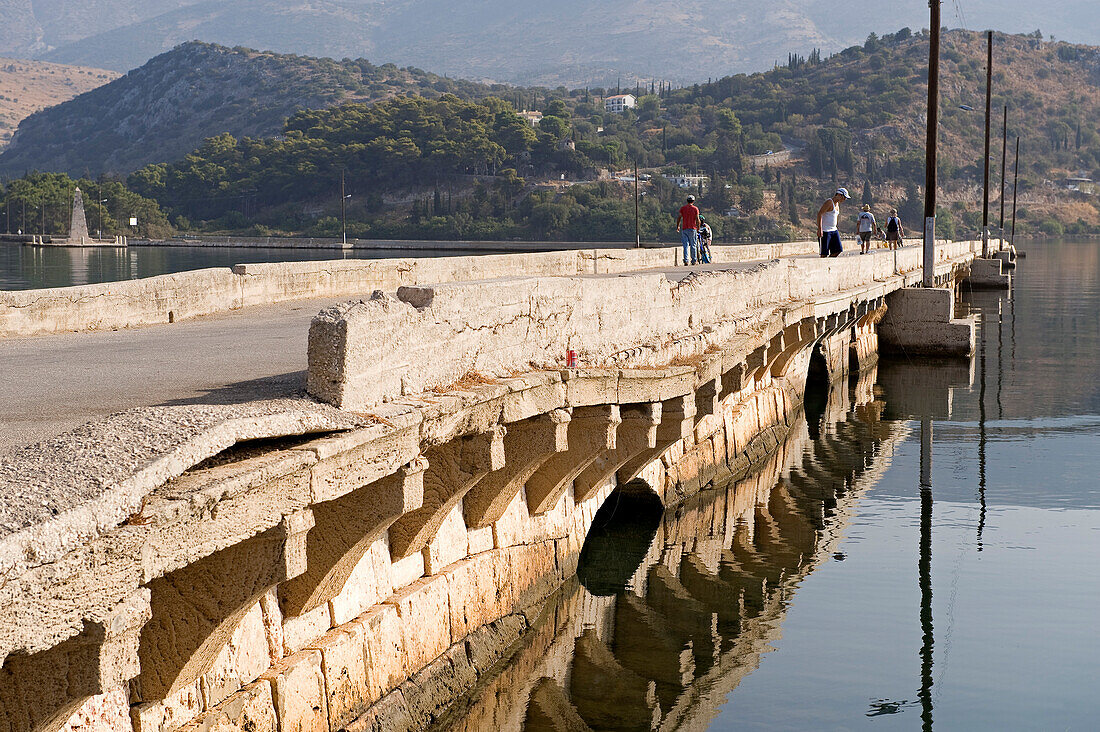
(817, 391)
(620, 538)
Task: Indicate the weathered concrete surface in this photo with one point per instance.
(989, 274)
(921, 322)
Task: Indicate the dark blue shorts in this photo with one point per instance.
(830, 243)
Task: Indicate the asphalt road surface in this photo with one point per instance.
(54, 383)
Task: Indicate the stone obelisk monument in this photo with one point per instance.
(78, 228)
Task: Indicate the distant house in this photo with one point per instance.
(1080, 184)
(687, 180)
(532, 118)
(620, 103)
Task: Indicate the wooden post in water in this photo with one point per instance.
(1015, 182)
(988, 120)
(929, 278)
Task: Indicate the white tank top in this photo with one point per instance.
(829, 219)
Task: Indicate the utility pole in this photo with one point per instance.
(988, 121)
(637, 211)
(343, 210)
(1015, 181)
(1004, 169)
(929, 278)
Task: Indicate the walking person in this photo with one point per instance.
(687, 223)
(827, 218)
(894, 233)
(705, 237)
(867, 227)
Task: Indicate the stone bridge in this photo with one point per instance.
(309, 563)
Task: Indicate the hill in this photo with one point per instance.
(856, 118)
(568, 42)
(169, 106)
(27, 87)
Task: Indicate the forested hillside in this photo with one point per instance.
(168, 107)
(856, 118)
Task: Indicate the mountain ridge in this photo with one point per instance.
(569, 42)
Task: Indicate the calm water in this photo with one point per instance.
(27, 267)
(928, 558)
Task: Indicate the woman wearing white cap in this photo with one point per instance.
(827, 217)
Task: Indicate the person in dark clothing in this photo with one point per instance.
(895, 235)
(705, 236)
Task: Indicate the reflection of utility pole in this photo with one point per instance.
(930, 147)
(988, 120)
(924, 574)
(981, 430)
(1000, 357)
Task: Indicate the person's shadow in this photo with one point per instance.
(270, 387)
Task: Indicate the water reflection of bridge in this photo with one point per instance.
(673, 613)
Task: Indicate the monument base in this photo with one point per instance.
(84, 241)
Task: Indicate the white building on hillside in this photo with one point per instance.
(620, 103)
(532, 118)
(689, 180)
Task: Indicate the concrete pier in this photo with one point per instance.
(921, 322)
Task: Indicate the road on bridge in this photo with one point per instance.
(55, 383)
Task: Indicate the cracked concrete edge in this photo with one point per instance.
(36, 535)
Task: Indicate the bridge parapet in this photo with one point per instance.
(427, 337)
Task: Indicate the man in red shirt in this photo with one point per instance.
(687, 223)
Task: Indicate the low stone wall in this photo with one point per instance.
(169, 298)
